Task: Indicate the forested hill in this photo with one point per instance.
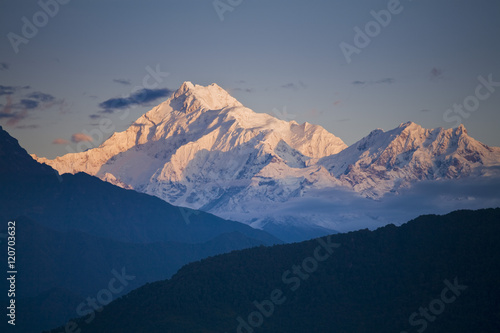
(432, 274)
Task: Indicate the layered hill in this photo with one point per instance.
(433, 274)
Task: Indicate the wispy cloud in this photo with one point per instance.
(122, 81)
(247, 90)
(42, 97)
(9, 113)
(79, 137)
(387, 80)
(27, 104)
(141, 97)
(347, 210)
(19, 105)
(10, 90)
(34, 100)
(243, 87)
(60, 141)
(294, 86)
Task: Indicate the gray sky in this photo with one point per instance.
(272, 54)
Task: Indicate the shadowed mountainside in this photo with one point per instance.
(372, 281)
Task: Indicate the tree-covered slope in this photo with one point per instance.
(433, 274)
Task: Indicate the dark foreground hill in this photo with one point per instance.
(64, 268)
(73, 231)
(433, 274)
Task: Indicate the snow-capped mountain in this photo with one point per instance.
(203, 149)
(387, 161)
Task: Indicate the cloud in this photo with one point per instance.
(122, 81)
(141, 97)
(345, 210)
(294, 86)
(110, 111)
(95, 116)
(10, 112)
(4, 66)
(19, 106)
(247, 90)
(27, 104)
(243, 89)
(7, 90)
(60, 141)
(436, 73)
(41, 97)
(79, 137)
(10, 90)
(387, 80)
(289, 86)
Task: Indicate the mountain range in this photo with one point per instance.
(82, 219)
(203, 149)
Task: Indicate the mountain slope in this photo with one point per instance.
(59, 270)
(364, 281)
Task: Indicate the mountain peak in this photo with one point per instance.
(15, 160)
(461, 129)
(185, 86)
(410, 125)
(211, 97)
